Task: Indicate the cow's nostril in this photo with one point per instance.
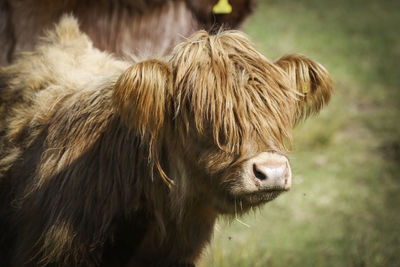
(258, 174)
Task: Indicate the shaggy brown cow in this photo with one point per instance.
(110, 163)
(119, 26)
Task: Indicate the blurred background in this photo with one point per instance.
(344, 207)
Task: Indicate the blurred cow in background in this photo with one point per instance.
(140, 27)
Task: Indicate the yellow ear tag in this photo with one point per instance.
(222, 7)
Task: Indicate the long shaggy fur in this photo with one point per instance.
(112, 163)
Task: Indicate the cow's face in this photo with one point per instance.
(229, 109)
(239, 181)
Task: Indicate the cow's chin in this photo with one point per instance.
(241, 203)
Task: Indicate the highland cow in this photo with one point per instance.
(106, 162)
(118, 26)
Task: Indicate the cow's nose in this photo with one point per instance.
(273, 175)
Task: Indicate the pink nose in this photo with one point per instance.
(273, 175)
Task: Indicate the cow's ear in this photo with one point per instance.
(141, 94)
(311, 80)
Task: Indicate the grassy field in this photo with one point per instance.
(344, 207)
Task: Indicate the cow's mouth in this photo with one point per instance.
(259, 197)
(241, 203)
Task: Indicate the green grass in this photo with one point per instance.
(344, 207)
